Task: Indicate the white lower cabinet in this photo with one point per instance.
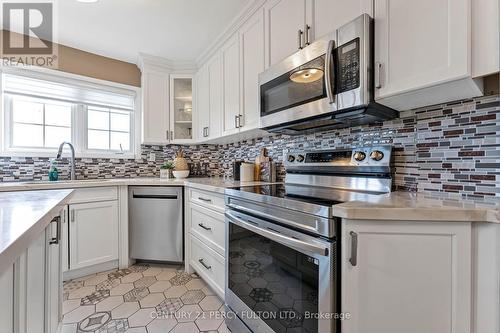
(93, 233)
(410, 277)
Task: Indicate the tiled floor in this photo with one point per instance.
(141, 299)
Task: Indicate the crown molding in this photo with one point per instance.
(233, 27)
(147, 61)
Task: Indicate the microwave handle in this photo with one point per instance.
(329, 63)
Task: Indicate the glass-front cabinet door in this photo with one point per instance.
(181, 108)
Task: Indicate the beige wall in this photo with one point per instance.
(79, 62)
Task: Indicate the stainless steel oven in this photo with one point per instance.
(328, 84)
(278, 279)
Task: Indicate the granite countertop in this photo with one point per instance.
(410, 206)
(23, 217)
(215, 184)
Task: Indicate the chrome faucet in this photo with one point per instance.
(59, 153)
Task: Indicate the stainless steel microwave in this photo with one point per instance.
(326, 85)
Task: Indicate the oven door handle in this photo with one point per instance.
(329, 63)
(279, 238)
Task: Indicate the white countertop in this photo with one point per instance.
(23, 217)
(409, 206)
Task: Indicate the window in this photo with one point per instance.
(108, 129)
(39, 115)
(40, 123)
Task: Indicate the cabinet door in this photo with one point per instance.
(33, 299)
(93, 233)
(329, 15)
(54, 282)
(181, 109)
(155, 108)
(203, 103)
(252, 63)
(419, 44)
(7, 300)
(231, 84)
(215, 95)
(64, 245)
(409, 277)
(284, 20)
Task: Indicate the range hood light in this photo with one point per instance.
(306, 75)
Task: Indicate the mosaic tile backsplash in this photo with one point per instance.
(453, 147)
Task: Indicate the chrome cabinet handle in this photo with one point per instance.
(202, 262)
(307, 37)
(167, 135)
(203, 199)
(354, 248)
(300, 33)
(329, 70)
(205, 132)
(236, 121)
(204, 227)
(55, 240)
(72, 215)
(171, 135)
(239, 121)
(378, 68)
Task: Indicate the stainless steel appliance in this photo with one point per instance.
(156, 223)
(282, 244)
(328, 84)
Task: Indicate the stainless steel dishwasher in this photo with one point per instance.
(156, 223)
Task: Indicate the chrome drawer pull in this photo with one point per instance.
(203, 264)
(204, 199)
(354, 248)
(204, 227)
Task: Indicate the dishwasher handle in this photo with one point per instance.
(155, 196)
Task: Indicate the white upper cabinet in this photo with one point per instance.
(155, 120)
(181, 108)
(252, 63)
(485, 37)
(215, 96)
(285, 23)
(231, 84)
(423, 52)
(406, 277)
(203, 103)
(329, 15)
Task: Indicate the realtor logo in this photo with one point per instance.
(28, 33)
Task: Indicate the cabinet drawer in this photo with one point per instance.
(93, 194)
(208, 264)
(208, 226)
(207, 199)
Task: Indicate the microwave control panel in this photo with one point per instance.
(348, 66)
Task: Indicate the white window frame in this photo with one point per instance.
(79, 121)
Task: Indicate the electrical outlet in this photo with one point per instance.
(152, 157)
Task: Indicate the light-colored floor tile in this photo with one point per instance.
(142, 317)
(82, 292)
(109, 303)
(210, 303)
(132, 277)
(185, 328)
(208, 291)
(138, 330)
(121, 289)
(159, 286)
(125, 310)
(166, 275)
(151, 300)
(70, 305)
(175, 291)
(195, 284)
(209, 321)
(78, 314)
(95, 280)
(223, 329)
(152, 271)
(161, 325)
(70, 328)
(188, 313)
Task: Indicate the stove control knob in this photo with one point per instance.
(376, 155)
(291, 158)
(359, 156)
(300, 158)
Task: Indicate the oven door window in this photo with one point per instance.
(302, 85)
(278, 283)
